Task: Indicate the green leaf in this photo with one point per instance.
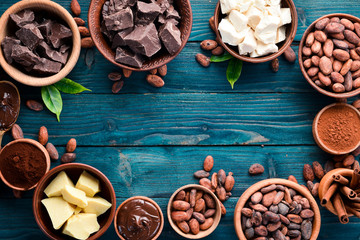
(52, 99)
(222, 58)
(68, 86)
(233, 71)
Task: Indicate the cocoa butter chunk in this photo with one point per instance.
(118, 39)
(59, 34)
(170, 37)
(172, 13)
(144, 40)
(46, 66)
(7, 45)
(128, 58)
(46, 51)
(29, 35)
(147, 12)
(120, 20)
(24, 56)
(23, 17)
(45, 28)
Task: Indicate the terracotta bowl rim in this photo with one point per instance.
(302, 68)
(64, 167)
(31, 80)
(257, 186)
(146, 199)
(286, 44)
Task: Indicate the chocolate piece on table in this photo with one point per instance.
(118, 40)
(46, 51)
(29, 35)
(59, 34)
(46, 66)
(170, 36)
(24, 56)
(45, 28)
(23, 17)
(128, 58)
(147, 12)
(120, 20)
(162, 20)
(7, 45)
(172, 13)
(144, 40)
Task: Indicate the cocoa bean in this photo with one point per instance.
(308, 63)
(199, 217)
(71, 145)
(305, 203)
(212, 23)
(357, 50)
(192, 199)
(126, 72)
(221, 177)
(274, 208)
(272, 227)
(337, 65)
(325, 80)
(68, 157)
(256, 219)
(339, 36)
(338, 88)
(155, 80)
(275, 65)
(294, 218)
(180, 205)
(208, 163)
(249, 233)
(293, 226)
(295, 207)
(87, 42)
(17, 132)
(267, 189)
(306, 229)
(334, 27)
(325, 65)
(261, 231)
(117, 86)
(199, 205)
(84, 31)
(268, 198)
(284, 219)
(290, 55)
(183, 226)
(223, 209)
(328, 48)
(271, 217)
(153, 71)
(321, 24)
(256, 197)
(340, 44)
(308, 173)
(310, 185)
(180, 195)
(206, 183)
(341, 55)
(75, 7)
(347, 23)
(187, 197)
(53, 153)
(356, 74)
(315, 190)
(258, 207)
(178, 216)
(162, 70)
(351, 37)
(114, 76)
(209, 213)
(247, 212)
(310, 39)
(320, 36)
(287, 196)
(214, 180)
(34, 105)
(315, 60)
(79, 21)
(189, 213)
(208, 45)
(219, 50)
(318, 170)
(356, 103)
(351, 45)
(348, 161)
(348, 82)
(43, 135)
(306, 213)
(292, 178)
(207, 224)
(346, 67)
(256, 169)
(199, 194)
(306, 51)
(221, 193)
(313, 71)
(229, 182)
(294, 233)
(202, 60)
(209, 201)
(194, 226)
(278, 197)
(316, 47)
(201, 174)
(354, 55)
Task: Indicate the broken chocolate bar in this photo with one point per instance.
(118, 39)
(45, 50)
(7, 45)
(163, 4)
(46, 66)
(45, 28)
(24, 56)
(128, 58)
(162, 20)
(23, 17)
(120, 20)
(59, 34)
(147, 12)
(29, 35)
(172, 13)
(170, 37)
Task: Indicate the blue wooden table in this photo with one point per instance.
(150, 141)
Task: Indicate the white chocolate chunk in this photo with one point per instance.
(229, 34)
(281, 34)
(74, 196)
(238, 20)
(266, 30)
(254, 54)
(59, 210)
(78, 210)
(56, 185)
(249, 44)
(260, 4)
(81, 226)
(228, 5)
(244, 5)
(89, 184)
(273, 10)
(273, 2)
(285, 16)
(97, 205)
(264, 49)
(254, 16)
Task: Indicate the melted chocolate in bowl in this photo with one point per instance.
(138, 219)
(9, 105)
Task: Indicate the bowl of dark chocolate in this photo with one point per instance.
(40, 42)
(73, 170)
(140, 35)
(23, 163)
(139, 218)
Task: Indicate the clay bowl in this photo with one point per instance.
(290, 35)
(216, 217)
(148, 200)
(159, 59)
(61, 13)
(308, 79)
(73, 170)
(317, 139)
(264, 183)
(35, 144)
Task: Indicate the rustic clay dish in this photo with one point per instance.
(303, 70)
(59, 11)
(159, 59)
(35, 144)
(264, 183)
(201, 234)
(148, 200)
(73, 170)
(317, 139)
(290, 35)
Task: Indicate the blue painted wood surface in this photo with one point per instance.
(149, 141)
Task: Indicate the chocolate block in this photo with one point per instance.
(23, 17)
(128, 58)
(120, 20)
(118, 39)
(162, 20)
(172, 13)
(46, 66)
(144, 40)
(163, 4)
(7, 45)
(146, 12)
(24, 56)
(170, 37)
(59, 34)
(117, 5)
(64, 48)
(29, 35)
(46, 51)
(108, 34)
(45, 28)
(105, 9)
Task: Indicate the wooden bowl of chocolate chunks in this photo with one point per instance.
(40, 42)
(140, 35)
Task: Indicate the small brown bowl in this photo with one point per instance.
(57, 10)
(201, 234)
(159, 59)
(315, 131)
(145, 199)
(264, 183)
(36, 144)
(73, 170)
(290, 35)
(302, 42)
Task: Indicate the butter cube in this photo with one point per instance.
(97, 205)
(238, 20)
(56, 185)
(228, 5)
(281, 34)
(249, 44)
(59, 210)
(229, 34)
(254, 16)
(89, 184)
(81, 226)
(264, 49)
(78, 210)
(285, 16)
(266, 30)
(74, 196)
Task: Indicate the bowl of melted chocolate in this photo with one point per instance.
(139, 218)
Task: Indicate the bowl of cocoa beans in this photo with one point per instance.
(329, 55)
(279, 209)
(194, 211)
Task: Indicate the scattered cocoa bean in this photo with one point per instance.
(206, 183)
(53, 153)
(75, 7)
(87, 42)
(221, 193)
(290, 55)
(219, 50)
(256, 169)
(153, 71)
(126, 72)
(202, 60)
(43, 135)
(275, 65)
(308, 173)
(318, 170)
(208, 45)
(114, 76)
(292, 178)
(208, 163)
(68, 157)
(155, 80)
(17, 132)
(79, 21)
(223, 209)
(84, 31)
(214, 180)
(229, 182)
(201, 174)
(117, 86)
(34, 105)
(162, 70)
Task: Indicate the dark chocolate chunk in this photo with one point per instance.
(46, 51)
(118, 39)
(45, 28)
(29, 35)
(23, 17)
(108, 34)
(7, 45)
(172, 13)
(117, 5)
(46, 66)
(162, 20)
(24, 56)
(163, 4)
(120, 20)
(59, 34)
(170, 36)
(105, 9)
(128, 58)
(146, 12)
(144, 40)
(64, 48)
